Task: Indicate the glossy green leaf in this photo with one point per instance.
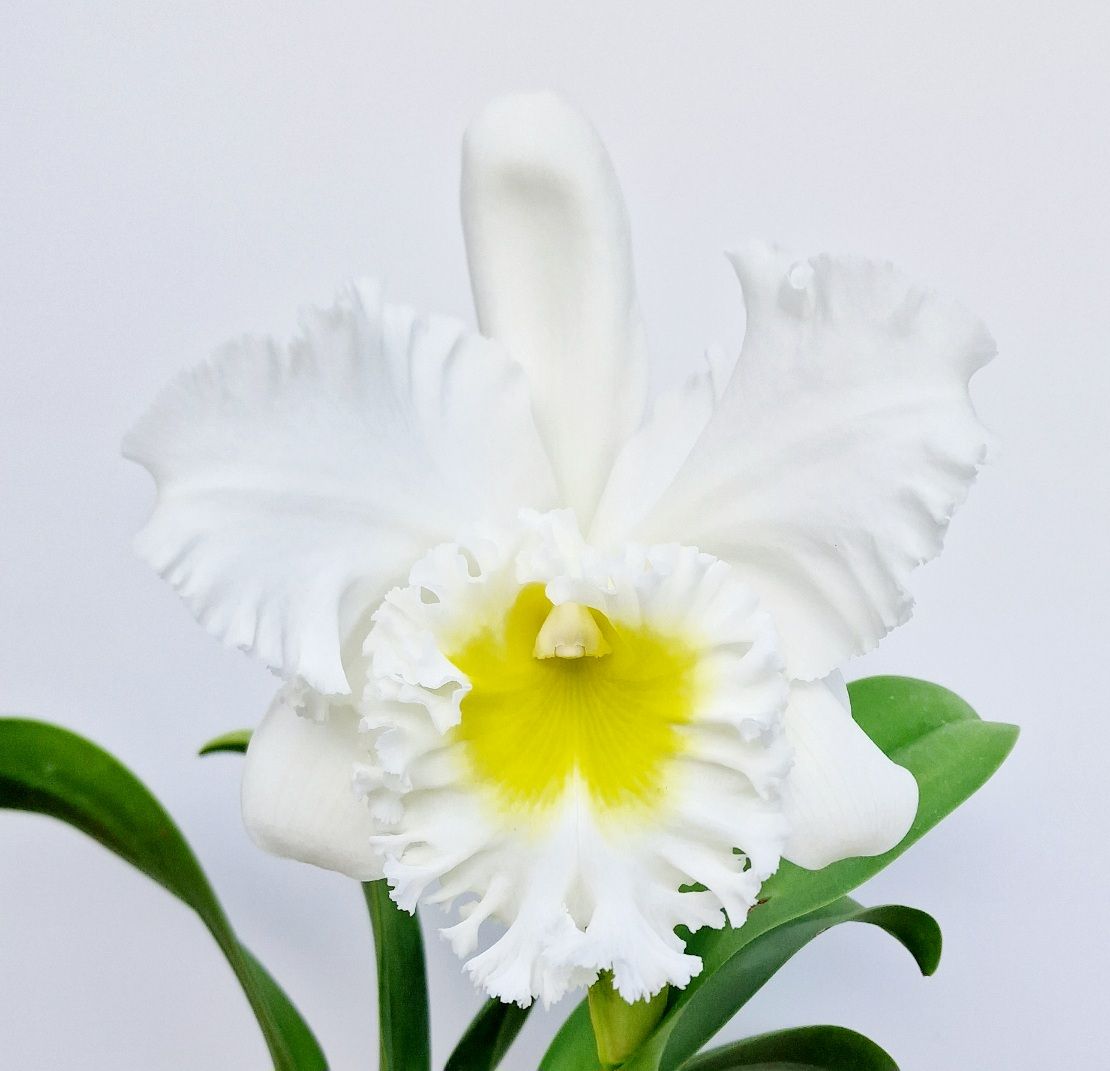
(236, 741)
(402, 984)
(939, 739)
(52, 771)
(805, 1048)
(924, 727)
(730, 987)
(488, 1037)
(573, 1048)
(399, 951)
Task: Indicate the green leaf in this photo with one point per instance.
(573, 1048)
(921, 726)
(49, 770)
(939, 739)
(403, 1028)
(488, 1037)
(730, 987)
(291, 1030)
(402, 985)
(235, 741)
(805, 1048)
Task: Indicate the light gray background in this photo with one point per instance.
(174, 174)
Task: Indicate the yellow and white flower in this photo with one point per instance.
(552, 649)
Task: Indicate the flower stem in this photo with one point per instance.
(402, 987)
(619, 1027)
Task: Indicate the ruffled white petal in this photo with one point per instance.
(296, 485)
(832, 463)
(551, 267)
(581, 888)
(299, 799)
(844, 797)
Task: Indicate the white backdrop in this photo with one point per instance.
(174, 174)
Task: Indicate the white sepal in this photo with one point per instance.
(843, 797)
(299, 799)
(551, 268)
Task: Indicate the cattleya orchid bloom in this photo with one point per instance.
(553, 649)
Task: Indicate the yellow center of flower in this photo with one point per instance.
(562, 692)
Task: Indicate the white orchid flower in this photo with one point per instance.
(547, 648)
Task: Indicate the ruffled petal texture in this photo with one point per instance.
(573, 803)
(298, 794)
(834, 458)
(571, 669)
(297, 484)
(551, 267)
(844, 797)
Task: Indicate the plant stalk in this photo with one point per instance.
(621, 1028)
(403, 1026)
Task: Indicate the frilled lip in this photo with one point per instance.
(297, 484)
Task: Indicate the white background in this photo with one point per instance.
(175, 174)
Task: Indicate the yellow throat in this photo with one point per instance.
(561, 693)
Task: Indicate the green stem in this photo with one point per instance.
(619, 1027)
(402, 985)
